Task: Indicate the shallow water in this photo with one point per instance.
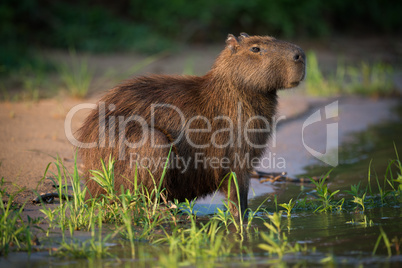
(332, 233)
(329, 237)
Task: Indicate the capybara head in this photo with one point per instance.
(261, 63)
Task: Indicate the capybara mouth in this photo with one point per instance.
(295, 84)
(291, 85)
(298, 80)
(304, 74)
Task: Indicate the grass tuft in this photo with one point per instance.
(172, 233)
(15, 234)
(76, 77)
(366, 79)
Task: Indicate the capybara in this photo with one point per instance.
(211, 125)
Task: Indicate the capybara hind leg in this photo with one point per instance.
(145, 164)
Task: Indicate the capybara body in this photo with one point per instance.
(209, 126)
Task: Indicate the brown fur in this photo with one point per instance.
(239, 75)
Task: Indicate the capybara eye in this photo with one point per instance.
(255, 49)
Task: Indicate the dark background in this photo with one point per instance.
(156, 25)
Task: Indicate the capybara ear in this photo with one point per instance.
(244, 35)
(232, 42)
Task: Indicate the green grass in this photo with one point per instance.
(142, 222)
(388, 193)
(277, 241)
(315, 82)
(135, 68)
(31, 82)
(76, 77)
(288, 206)
(139, 215)
(325, 196)
(383, 236)
(366, 79)
(374, 79)
(364, 222)
(15, 234)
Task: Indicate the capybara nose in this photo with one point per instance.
(299, 56)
